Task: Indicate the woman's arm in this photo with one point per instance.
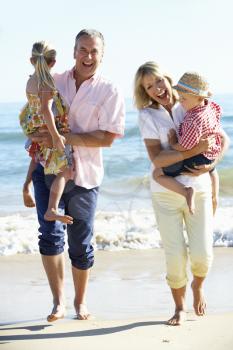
(162, 158)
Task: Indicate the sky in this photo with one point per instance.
(180, 35)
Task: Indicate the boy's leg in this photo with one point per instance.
(172, 184)
(27, 195)
(56, 192)
(215, 188)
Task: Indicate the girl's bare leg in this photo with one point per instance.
(171, 184)
(56, 192)
(27, 194)
(215, 189)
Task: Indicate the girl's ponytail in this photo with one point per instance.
(42, 56)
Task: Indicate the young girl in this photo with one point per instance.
(45, 109)
(202, 118)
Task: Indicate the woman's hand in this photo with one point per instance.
(198, 169)
(172, 138)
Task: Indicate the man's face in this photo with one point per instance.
(88, 54)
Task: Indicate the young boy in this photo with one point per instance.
(202, 118)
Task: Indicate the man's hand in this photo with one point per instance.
(59, 143)
(198, 170)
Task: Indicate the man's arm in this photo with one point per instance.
(96, 138)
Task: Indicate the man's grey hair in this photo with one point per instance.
(91, 33)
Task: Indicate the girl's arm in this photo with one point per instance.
(46, 99)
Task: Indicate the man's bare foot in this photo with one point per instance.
(199, 303)
(190, 198)
(82, 312)
(57, 313)
(52, 215)
(27, 197)
(178, 318)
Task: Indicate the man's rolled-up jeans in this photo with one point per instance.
(78, 202)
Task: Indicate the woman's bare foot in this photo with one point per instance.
(27, 197)
(52, 215)
(57, 313)
(178, 318)
(190, 198)
(199, 303)
(82, 312)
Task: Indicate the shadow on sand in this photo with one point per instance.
(76, 334)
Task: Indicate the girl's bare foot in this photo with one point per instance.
(178, 318)
(199, 303)
(190, 198)
(82, 312)
(52, 215)
(57, 313)
(27, 197)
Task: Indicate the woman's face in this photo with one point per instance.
(158, 88)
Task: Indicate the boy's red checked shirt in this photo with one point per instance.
(200, 121)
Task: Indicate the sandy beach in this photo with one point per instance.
(128, 297)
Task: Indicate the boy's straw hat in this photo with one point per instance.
(194, 84)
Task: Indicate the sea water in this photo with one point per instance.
(124, 218)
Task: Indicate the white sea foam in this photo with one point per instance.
(113, 231)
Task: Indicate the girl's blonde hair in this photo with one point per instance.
(42, 56)
(141, 98)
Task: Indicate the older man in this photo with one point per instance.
(96, 118)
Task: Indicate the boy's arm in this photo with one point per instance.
(200, 169)
(173, 141)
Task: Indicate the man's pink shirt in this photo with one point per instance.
(97, 105)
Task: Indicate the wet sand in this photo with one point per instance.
(127, 295)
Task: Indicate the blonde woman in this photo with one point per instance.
(159, 112)
(45, 109)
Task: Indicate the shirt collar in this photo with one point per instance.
(91, 79)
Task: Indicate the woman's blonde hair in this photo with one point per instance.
(42, 56)
(141, 98)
